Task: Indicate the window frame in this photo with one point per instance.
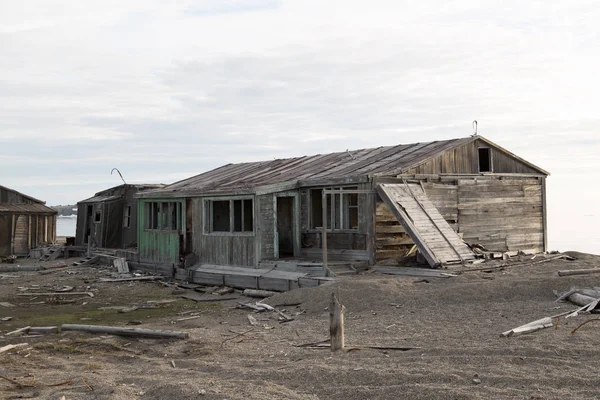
(342, 209)
(98, 216)
(158, 216)
(127, 216)
(207, 212)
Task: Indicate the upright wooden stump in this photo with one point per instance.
(336, 325)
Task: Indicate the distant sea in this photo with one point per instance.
(65, 225)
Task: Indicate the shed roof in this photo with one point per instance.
(33, 199)
(33, 208)
(107, 194)
(346, 166)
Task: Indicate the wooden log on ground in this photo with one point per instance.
(38, 330)
(569, 272)
(19, 268)
(11, 346)
(530, 327)
(258, 293)
(57, 294)
(580, 299)
(134, 278)
(19, 331)
(131, 332)
(336, 323)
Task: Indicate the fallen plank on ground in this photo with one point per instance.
(57, 294)
(134, 278)
(530, 327)
(569, 272)
(131, 332)
(204, 299)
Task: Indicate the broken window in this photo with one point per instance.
(342, 209)
(97, 216)
(165, 215)
(230, 215)
(127, 217)
(485, 159)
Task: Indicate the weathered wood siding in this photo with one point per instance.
(5, 234)
(12, 197)
(21, 235)
(266, 226)
(502, 214)
(218, 247)
(391, 239)
(465, 160)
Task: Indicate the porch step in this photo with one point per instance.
(84, 261)
(52, 254)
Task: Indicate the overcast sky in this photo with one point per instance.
(166, 90)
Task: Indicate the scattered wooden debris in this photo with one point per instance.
(133, 278)
(11, 346)
(418, 272)
(258, 293)
(6, 304)
(205, 299)
(530, 327)
(132, 332)
(252, 320)
(121, 265)
(223, 290)
(325, 344)
(57, 294)
(18, 331)
(569, 272)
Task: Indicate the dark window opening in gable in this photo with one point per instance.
(485, 159)
(97, 216)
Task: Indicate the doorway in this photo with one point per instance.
(285, 226)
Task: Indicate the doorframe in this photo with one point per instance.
(295, 219)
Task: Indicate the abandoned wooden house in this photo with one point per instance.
(109, 218)
(373, 204)
(25, 223)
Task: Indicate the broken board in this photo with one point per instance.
(253, 278)
(434, 237)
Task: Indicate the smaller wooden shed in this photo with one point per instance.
(25, 223)
(109, 218)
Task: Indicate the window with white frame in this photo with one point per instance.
(233, 216)
(342, 209)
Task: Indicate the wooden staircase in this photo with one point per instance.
(52, 254)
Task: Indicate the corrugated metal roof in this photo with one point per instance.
(357, 163)
(34, 208)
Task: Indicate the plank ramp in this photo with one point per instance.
(253, 278)
(436, 240)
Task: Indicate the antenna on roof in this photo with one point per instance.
(350, 154)
(474, 128)
(119, 172)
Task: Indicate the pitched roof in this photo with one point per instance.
(388, 160)
(33, 199)
(33, 208)
(108, 194)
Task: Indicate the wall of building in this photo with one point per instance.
(12, 197)
(465, 160)
(21, 232)
(501, 214)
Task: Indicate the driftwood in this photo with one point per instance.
(11, 346)
(207, 299)
(530, 327)
(582, 324)
(569, 272)
(258, 293)
(336, 323)
(252, 320)
(19, 331)
(325, 344)
(134, 278)
(57, 294)
(132, 332)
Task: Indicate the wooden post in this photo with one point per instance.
(336, 323)
(89, 247)
(324, 231)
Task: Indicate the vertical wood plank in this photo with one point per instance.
(336, 324)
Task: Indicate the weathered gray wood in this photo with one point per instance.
(569, 272)
(18, 331)
(418, 272)
(336, 323)
(324, 230)
(56, 294)
(130, 332)
(19, 268)
(11, 347)
(258, 293)
(530, 327)
(133, 278)
(34, 330)
(204, 299)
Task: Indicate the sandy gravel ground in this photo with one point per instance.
(454, 325)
